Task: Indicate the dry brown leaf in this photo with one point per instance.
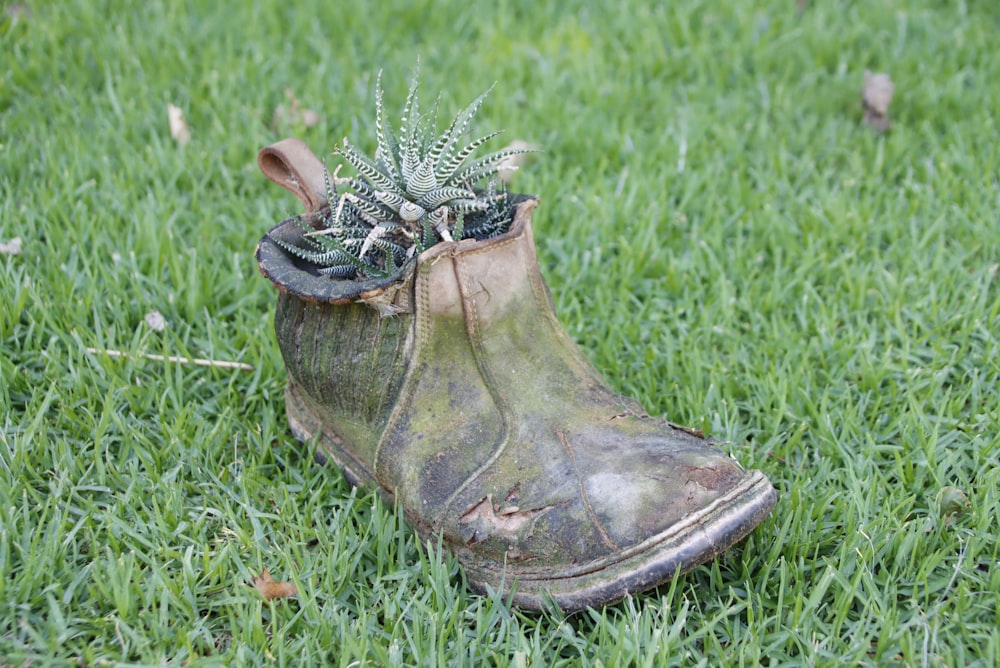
(178, 126)
(309, 118)
(155, 321)
(19, 10)
(12, 247)
(876, 96)
(271, 589)
(294, 113)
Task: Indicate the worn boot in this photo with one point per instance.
(473, 409)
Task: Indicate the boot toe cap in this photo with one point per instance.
(617, 539)
(591, 516)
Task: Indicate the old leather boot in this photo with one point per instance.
(472, 408)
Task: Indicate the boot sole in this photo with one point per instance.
(698, 538)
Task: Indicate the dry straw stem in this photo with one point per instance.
(171, 358)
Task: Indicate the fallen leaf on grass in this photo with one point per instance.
(19, 10)
(293, 113)
(12, 247)
(309, 118)
(178, 126)
(155, 321)
(271, 589)
(876, 96)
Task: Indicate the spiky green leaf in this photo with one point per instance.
(441, 196)
(365, 166)
(446, 171)
(458, 231)
(467, 205)
(448, 142)
(422, 180)
(388, 148)
(391, 199)
(375, 209)
(485, 166)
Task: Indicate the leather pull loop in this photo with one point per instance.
(293, 166)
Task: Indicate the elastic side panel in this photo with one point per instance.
(349, 359)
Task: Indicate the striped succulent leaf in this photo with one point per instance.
(442, 196)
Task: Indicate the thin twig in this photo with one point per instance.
(171, 358)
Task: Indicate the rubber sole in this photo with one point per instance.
(700, 537)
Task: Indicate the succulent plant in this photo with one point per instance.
(419, 189)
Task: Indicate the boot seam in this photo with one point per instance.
(421, 326)
(502, 404)
(587, 506)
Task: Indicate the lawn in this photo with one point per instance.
(722, 235)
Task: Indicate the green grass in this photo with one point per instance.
(722, 236)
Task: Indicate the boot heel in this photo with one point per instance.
(307, 428)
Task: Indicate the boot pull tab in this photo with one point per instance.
(293, 166)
